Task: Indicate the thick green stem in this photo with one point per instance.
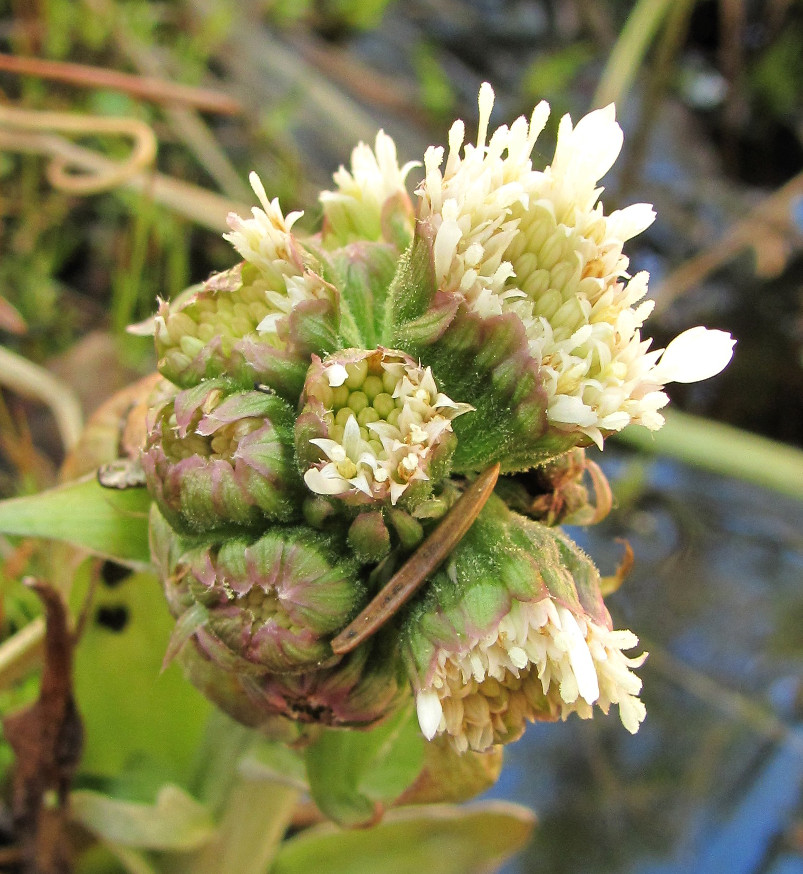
(723, 449)
(252, 810)
(255, 818)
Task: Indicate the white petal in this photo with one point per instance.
(485, 102)
(321, 484)
(598, 138)
(352, 442)
(360, 482)
(332, 448)
(396, 491)
(268, 324)
(580, 657)
(336, 374)
(623, 224)
(694, 355)
(571, 410)
(429, 710)
(446, 241)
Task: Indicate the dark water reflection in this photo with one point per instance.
(712, 781)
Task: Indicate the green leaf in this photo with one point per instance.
(438, 838)
(414, 285)
(175, 822)
(366, 271)
(272, 760)
(723, 449)
(449, 776)
(114, 859)
(133, 712)
(109, 522)
(352, 774)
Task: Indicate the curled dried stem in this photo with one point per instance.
(60, 172)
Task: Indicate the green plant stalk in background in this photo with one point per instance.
(725, 450)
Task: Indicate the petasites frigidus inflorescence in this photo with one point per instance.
(326, 402)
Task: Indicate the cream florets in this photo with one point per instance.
(385, 421)
(508, 238)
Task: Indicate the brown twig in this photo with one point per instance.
(47, 740)
(150, 88)
(411, 576)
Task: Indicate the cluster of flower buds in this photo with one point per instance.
(326, 402)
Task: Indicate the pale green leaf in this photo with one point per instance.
(175, 822)
(109, 522)
(132, 710)
(352, 773)
(437, 838)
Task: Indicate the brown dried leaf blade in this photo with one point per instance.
(47, 739)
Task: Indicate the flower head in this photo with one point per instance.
(356, 208)
(273, 602)
(469, 203)
(239, 322)
(216, 457)
(510, 239)
(384, 426)
(514, 630)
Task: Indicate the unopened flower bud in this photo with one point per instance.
(408, 529)
(513, 630)
(361, 689)
(216, 458)
(369, 537)
(374, 425)
(272, 603)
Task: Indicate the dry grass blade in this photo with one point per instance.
(22, 652)
(411, 576)
(59, 174)
(30, 380)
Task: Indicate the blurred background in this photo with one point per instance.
(710, 96)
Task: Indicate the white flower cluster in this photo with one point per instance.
(538, 244)
(266, 243)
(387, 417)
(354, 209)
(266, 240)
(540, 660)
